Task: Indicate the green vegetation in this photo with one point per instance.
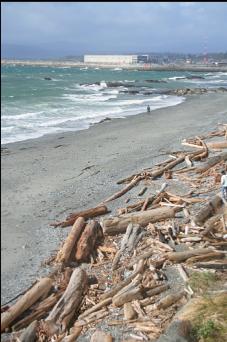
(200, 282)
(209, 323)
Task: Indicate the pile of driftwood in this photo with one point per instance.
(112, 269)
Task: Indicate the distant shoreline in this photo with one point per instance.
(138, 67)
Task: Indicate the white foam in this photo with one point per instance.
(22, 116)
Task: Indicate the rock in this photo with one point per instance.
(131, 92)
(47, 78)
(195, 77)
(156, 81)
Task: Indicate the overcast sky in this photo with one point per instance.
(57, 29)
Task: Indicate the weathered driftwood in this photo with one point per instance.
(128, 296)
(211, 162)
(208, 210)
(129, 312)
(96, 307)
(210, 224)
(122, 284)
(155, 291)
(74, 333)
(169, 300)
(29, 334)
(206, 257)
(101, 336)
(142, 191)
(182, 256)
(128, 243)
(217, 144)
(64, 255)
(39, 290)
(39, 311)
(66, 307)
(119, 224)
(86, 243)
(86, 214)
(123, 191)
(220, 265)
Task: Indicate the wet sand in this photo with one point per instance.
(45, 179)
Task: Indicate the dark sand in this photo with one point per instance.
(45, 179)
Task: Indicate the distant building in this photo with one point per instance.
(115, 59)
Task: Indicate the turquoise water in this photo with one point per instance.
(73, 98)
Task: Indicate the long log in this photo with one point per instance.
(121, 285)
(169, 300)
(65, 253)
(96, 307)
(86, 243)
(68, 304)
(128, 296)
(39, 290)
(124, 190)
(211, 162)
(217, 144)
(208, 210)
(206, 257)
(39, 312)
(86, 214)
(212, 265)
(182, 256)
(119, 224)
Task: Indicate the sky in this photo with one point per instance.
(58, 29)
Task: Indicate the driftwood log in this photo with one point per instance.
(101, 336)
(86, 243)
(64, 310)
(208, 210)
(182, 256)
(29, 334)
(119, 224)
(211, 162)
(86, 214)
(169, 300)
(128, 243)
(64, 255)
(39, 290)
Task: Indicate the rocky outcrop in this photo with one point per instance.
(156, 81)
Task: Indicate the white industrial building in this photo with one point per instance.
(115, 59)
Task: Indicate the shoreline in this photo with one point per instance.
(138, 67)
(45, 179)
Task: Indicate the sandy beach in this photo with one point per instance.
(45, 179)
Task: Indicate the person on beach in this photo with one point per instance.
(148, 109)
(224, 185)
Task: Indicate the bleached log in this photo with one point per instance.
(66, 307)
(119, 224)
(39, 290)
(65, 254)
(74, 333)
(182, 256)
(157, 290)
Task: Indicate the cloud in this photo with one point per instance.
(59, 28)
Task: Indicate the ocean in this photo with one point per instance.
(39, 100)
